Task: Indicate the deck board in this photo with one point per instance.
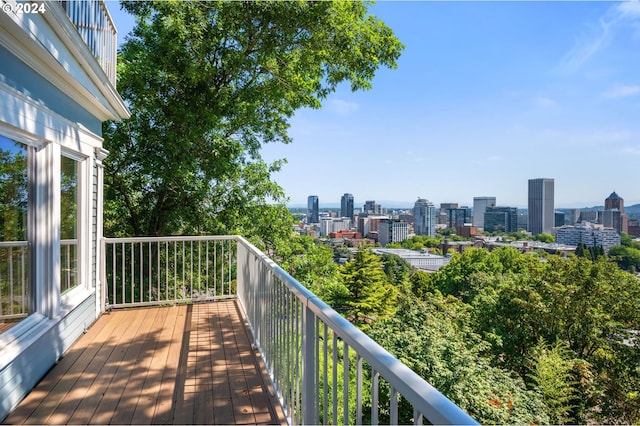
(186, 364)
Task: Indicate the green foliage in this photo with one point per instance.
(544, 238)
(590, 252)
(313, 266)
(434, 339)
(208, 84)
(370, 295)
(521, 302)
(627, 241)
(454, 279)
(626, 256)
(552, 374)
(396, 269)
(418, 242)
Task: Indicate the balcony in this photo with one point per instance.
(210, 330)
(93, 22)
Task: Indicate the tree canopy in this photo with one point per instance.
(208, 84)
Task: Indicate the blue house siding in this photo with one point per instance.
(19, 76)
(48, 341)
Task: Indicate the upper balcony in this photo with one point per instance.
(94, 23)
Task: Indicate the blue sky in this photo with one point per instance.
(486, 96)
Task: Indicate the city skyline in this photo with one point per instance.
(486, 96)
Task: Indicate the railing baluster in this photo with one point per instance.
(375, 376)
(325, 374)
(335, 378)
(358, 390)
(345, 383)
(393, 406)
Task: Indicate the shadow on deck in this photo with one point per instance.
(186, 364)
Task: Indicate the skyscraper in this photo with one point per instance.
(480, 205)
(503, 219)
(616, 203)
(313, 209)
(346, 206)
(541, 208)
(424, 214)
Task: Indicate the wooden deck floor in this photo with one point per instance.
(188, 364)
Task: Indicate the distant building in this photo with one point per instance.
(503, 219)
(541, 206)
(313, 209)
(424, 218)
(346, 206)
(442, 216)
(616, 203)
(458, 216)
(480, 204)
(560, 219)
(574, 216)
(371, 208)
(350, 235)
(331, 224)
(419, 260)
(369, 224)
(467, 231)
(392, 231)
(591, 235)
(592, 216)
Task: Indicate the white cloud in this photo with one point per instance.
(624, 13)
(622, 92)
(342, 107)
(628, 10)
(494, 158)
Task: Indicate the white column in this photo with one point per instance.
(44, 226)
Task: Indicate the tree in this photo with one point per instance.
(208, 84)
(371, 296)
(553, 377)
(544, 238)
(433, 338)
(626, 257)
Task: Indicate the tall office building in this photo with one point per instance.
(313, 209)
(480, 205)
(616, 203)
(458, 216)
(346, 206)
(370, 207)
(504, 219)
(541, 208)
(424, 216)
(392, 231)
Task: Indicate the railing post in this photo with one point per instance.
(309, 373)
(103, 274)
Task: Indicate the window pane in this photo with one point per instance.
(68, 224)
(14, 255)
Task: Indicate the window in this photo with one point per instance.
(14, 249)
(68, 224)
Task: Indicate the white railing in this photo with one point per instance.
(93, 21)
(14, 272)
(14, 275)
(151, 271)
(324, 369)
